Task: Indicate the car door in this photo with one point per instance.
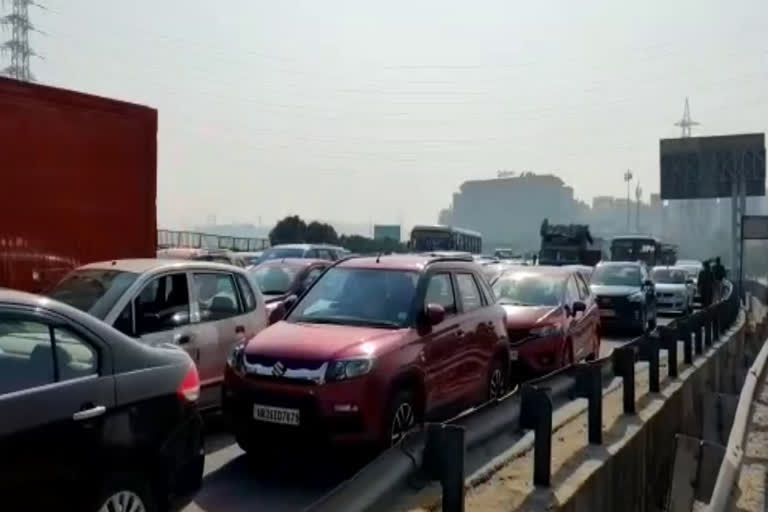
(592, 313)
(56, 388)
(441, 343)
(221, 322)
(579, 323)
(477, 337)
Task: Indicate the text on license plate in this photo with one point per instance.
(279, 415)
(607, 312)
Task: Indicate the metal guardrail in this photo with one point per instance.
(436, 453)
(734, 453)
(167, 238)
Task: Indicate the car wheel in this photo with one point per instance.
(125, 493)
(497, 380)
(402, 417)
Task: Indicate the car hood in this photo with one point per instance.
(526, 316)
(292, 340)
(671, 287)
(613, 291)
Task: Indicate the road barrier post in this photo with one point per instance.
(592, 390)
(624, 366)
(708, 327)
(669, 338)
(444, 461)
(649, 351)
(684, 330)
(697, 322)
(536, 414)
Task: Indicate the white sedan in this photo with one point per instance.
(675, 290)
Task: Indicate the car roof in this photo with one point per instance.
(549, 270)
(619, 263)
(141, 265)
(30, 300)
(412, 262)
(291, 262)
(306, 246)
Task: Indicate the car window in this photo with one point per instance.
(75, 358)
(310, 277)
(582, 286)
(124, 321)
(571, 291)
(469, 292)
(440, 291)
(163, 304)
(216, 296)
(26, 355)
(246, 292)
(312, 253)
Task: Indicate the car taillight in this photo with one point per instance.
(189, 388)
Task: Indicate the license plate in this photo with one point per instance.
(607, 312)
(513, 355)
(278, 415)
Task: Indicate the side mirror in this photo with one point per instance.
(277, 313)
(578, 307)
(690, 281)
(434, 313)
(648, 283)
(289, 301)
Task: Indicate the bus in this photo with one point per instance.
(637, 248)
(445, 238)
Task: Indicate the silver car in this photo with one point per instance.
(675, 290)
(206, 308)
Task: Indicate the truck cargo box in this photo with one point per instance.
(79, 179)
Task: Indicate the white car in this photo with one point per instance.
(675, 290)
(692, 268)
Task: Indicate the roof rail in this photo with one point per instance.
(463, 259)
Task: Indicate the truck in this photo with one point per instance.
(79, 182)
(569, 244)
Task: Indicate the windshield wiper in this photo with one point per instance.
(344, 320)
(273, 292)
(515, 303)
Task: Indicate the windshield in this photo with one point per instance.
(93, 290)
(528, 289)
(355, 296)
(282, 252)
(274, 279)
(669, 275)
(559, 255)
(617, 275)
(691, 270)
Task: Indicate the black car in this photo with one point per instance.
(626, 295)
(92, 420)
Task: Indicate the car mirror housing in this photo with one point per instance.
(648, 283)
(289, 302)
(434, 313)
(578, 307)
(277, 314)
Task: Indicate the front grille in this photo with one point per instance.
(288, 363)
(517, 335)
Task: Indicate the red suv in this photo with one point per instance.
(552, 317)
(374, 347)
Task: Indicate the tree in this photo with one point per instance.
(290, 230)
(321, 233)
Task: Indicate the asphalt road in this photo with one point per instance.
(233, 483)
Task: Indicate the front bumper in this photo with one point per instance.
(620, 312)
(536, 356)
(336, 413)
(675, 304)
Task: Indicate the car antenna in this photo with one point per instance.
(378, 258)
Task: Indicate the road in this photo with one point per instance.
(233, 484)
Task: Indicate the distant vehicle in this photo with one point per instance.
(250, 258)
(626, 295)
(552, 318)
(445, 238)
(668, 255)
(283, 281)
(205, 308)
(692, 268)
(200, 254)
(637, 248)
(507, 254)
(90, 163)
(570, 244)
(92, 420)
(312, 251)
(675, 290)
(376, 346)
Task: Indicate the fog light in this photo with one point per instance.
(345, 408)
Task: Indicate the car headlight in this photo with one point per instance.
(636, 297)
(342, 369)
(236, 357)
(546, 330)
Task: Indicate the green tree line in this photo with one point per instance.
(294, 230)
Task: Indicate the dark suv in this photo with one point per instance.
(626, 295)
(374, 347)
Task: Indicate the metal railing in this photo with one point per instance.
(167, 238)
(437, 453)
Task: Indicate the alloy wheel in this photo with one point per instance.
(123, 501)
(496, 386)
(402, 422)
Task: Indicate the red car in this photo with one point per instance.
(374, 347)
(552, 317)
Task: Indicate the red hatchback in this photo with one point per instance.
(374, 347)
(552, 318)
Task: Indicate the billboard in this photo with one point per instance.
(702, 167)
(754, 227)
(384, 231)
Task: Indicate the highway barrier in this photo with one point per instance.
(440, 452)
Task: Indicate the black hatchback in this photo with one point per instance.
(91, 420)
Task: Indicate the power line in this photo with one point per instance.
(18, 44)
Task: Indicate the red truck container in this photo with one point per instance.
(79, 182)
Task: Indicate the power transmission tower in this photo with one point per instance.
(18, 45)
(686, 122)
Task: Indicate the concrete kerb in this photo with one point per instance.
(654, 402)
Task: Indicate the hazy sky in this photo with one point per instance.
(364, 111)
